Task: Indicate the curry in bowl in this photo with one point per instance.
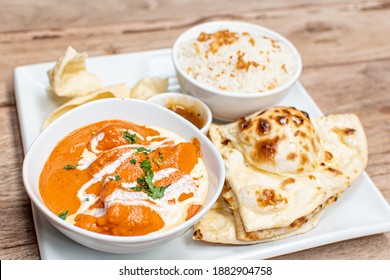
(119, 178)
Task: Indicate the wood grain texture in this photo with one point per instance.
(21, 15)
(344, 46)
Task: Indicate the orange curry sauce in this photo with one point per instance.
(188, 113)
(59, 186)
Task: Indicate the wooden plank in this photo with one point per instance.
(17, 233)
(26, 251)
(42, 14)
(17, 239)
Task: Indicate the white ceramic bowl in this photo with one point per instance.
(225, 105)
(187, 101)
(139, 112)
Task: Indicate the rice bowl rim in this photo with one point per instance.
(237, 24)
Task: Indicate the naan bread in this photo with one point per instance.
(282, 166)
(69, 77)
(218, 226)
(265, 234)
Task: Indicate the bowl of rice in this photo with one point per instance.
(236, 68)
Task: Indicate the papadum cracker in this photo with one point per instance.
(148, 87)
(108, 92)
(70, 78)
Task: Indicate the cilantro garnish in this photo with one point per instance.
(138, 188)
(143, 150)
(160, 155)
(145, 165)
(86, 199)
(116, 178)
(146, 182)
(70, 166)
(157, 192)
(133, 161)
(131, 138)
(159, 163)
(63, 215)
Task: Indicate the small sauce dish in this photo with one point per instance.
(191, 108)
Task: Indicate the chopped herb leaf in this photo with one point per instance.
(86, 199)
(160, 155)
(63, 214)
(145, 165)
(157, 192)
(133, 161)
(131, 138)
(146, 182)
(159, 163)
(116, 178)
(70, 166)
(149, 178)
(144, 150)
(137, 188)
(141, 181)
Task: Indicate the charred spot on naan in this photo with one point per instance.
(265, 150)
(243, 123)
(229, 200)
(263, 127)
(197, 235)
(282, 120)
(334, 171)
(291, 156)
(298, 222)
(286, 182)
(269, 198)
(328, 156)
(345, 130)
(304, 159)
(225, 141)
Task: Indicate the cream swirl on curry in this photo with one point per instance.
(119, 178)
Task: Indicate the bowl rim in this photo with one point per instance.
(231, 23)
(209, 114)
(56, 221)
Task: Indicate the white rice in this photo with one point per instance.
(271, 63)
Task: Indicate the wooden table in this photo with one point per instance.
(345, 47)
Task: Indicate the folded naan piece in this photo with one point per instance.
(282, 166)
(70, 78)
(218, 226)
(119, 91)
(274, 233)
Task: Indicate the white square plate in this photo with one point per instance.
(360, 211)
